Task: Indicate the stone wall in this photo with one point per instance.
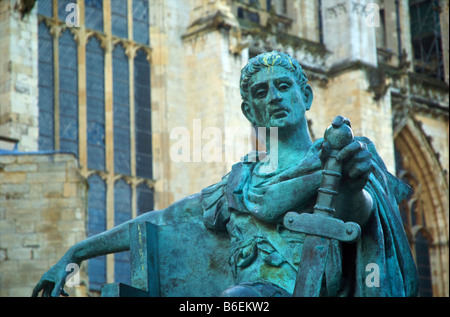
(347, 94)
(19, 76)
(195, 86)
(43, 201)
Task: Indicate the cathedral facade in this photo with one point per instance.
(113, 108)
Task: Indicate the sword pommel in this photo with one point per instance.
(338, 136)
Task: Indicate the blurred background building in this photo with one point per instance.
(92, 94)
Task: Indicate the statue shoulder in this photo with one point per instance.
(218, 198)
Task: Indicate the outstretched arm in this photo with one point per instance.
(114, 240)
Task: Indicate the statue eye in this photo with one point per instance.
(283, 87)
(260, 93)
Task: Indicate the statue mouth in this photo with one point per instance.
(279, 113)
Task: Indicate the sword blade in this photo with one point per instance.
(315, 248)
(312, 266)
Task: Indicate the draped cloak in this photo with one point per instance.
(379, 263)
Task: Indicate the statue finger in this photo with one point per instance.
(360, 170)
(47, 290)
(39, 286)
(59, 290)
(357, 158)
(324, 152)
(350, 150)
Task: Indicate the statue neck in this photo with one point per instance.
(288, 148)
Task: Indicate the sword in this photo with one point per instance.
(320, 226)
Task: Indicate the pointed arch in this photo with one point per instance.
(419, 159)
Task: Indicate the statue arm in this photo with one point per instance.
(356, 207)
(114, 240)
(293, 191)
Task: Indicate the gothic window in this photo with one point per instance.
(119, 18)
(62, 4)
(142, 115)
(249, 15)
(45, 7)
(423, 264)
(46, 94)
(95, 93)
(68, 94)
(144, 198)
(121, 100)
(320, 21)
(140, 22)
(78, 121)
(122, 213)
(96, 225)
(419, 235)
(426, 38)
(94, 14)
(380, 31)
(284, 9)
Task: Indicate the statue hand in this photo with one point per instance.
(356, 166)
(356, 161)
(53, 281)
(353, 203)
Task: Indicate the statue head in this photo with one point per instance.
(266, 60)
(270, 69)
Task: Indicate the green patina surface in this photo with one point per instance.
(230, 238)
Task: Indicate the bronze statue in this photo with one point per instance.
(275, 219)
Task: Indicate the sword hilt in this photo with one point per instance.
(321, 222)
(337, 137)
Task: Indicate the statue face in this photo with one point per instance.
(276, 100)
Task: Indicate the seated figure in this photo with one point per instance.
(249, 203)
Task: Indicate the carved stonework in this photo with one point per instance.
(214, 16)
(24, 7)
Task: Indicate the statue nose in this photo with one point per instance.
(274, 95)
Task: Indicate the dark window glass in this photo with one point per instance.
(96, 225)
(122, 213)
(62, 4)
(95, 93)
(121, 101)
(143, 115)
(145, 196)
(94, 14)
(45, 7)
(68, 93)
(426, 38)
(46, 90)
(140, 22)
(119, 23)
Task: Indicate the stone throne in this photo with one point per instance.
(183, 259)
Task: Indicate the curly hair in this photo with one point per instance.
(270, 59)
